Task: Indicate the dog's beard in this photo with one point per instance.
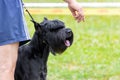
(59, 40)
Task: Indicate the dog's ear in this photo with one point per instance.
(44, 23)
(45, 19)
(36, 25)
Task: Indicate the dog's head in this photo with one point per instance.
(56, 35)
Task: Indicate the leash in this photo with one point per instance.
(27, 11)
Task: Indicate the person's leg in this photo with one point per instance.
(8, 57)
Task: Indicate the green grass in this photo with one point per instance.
(95, 53)
(77, 0)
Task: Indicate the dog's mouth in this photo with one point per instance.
(67, 43)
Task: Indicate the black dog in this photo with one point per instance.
(50, 36)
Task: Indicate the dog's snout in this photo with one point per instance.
(69, 31)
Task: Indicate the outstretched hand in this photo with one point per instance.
(76, 10)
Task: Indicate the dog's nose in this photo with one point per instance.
(69, 32)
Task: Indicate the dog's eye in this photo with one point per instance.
(56, 29)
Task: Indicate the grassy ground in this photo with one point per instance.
(77, 0)
(95, 53)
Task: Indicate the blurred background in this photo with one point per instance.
(95, 53)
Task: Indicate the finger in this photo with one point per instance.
(80, 12)
(83, 19)
(80, 18)
(74, 14)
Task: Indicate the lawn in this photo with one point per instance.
(77, 0)
(95, 53)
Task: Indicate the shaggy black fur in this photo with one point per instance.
(50, 36)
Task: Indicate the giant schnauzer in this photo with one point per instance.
(50, 36)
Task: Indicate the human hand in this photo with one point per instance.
(76, 10)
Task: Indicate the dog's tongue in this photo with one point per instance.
(67, 43)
